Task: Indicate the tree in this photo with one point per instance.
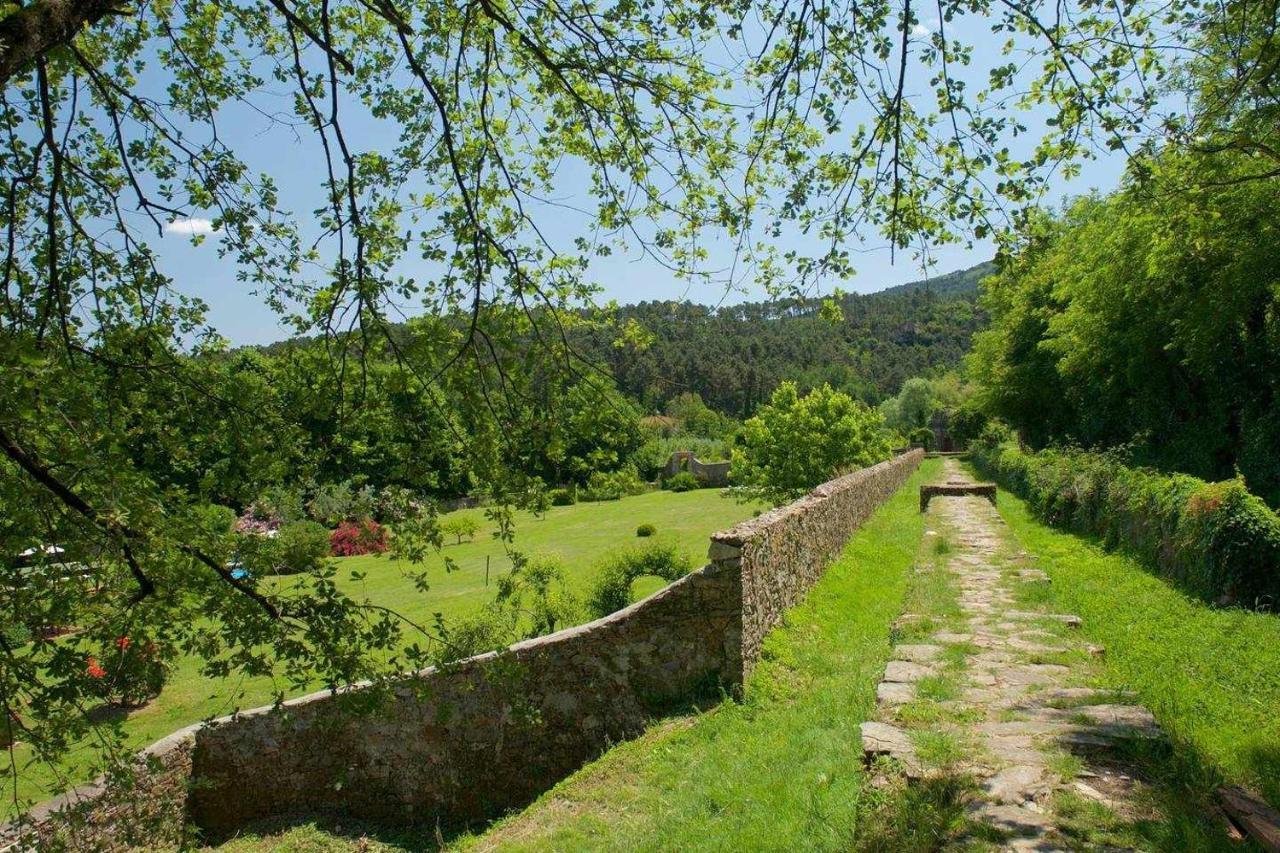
(117, 401)
(1148, 319)
(458, 526)
(796, 443)
(913, 406)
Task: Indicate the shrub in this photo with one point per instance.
(217, 520)
(921, 437)
(332, 503)
(283, 503)
(1216, 539)
(127, 673)
(646, 530)
(354, 538)
(683, 481)
(533, 593)
(993, 434)
(488, 630)
(611, 590)
(300, 547)
(396, 503)
(563, 497)
(537, 499)
(15, 634)
(796, 443)
(258, 520)
(257, 554)
(613, 486)
(460, 525)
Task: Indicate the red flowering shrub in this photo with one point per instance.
(127, 674)
(353, 538)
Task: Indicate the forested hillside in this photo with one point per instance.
(734, 357)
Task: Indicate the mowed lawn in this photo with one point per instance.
(581, 535)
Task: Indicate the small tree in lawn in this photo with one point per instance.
(127, 673)
(459, 526)
(796, 443)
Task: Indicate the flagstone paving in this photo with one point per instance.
(992, 686)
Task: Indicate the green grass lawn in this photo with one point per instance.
(780, 770)
(581, 534)
(1210, 675)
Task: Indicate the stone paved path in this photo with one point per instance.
(987, 683)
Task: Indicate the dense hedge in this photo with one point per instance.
(1216, 539)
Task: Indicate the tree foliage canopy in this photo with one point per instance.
(673, 122)
(1149, 318)
(796, 443)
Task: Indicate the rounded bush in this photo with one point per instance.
(646, 530)
(563, 497)
(127, 673)
(683, 482)
(353, 539)
(300, 547)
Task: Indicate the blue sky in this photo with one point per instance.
(293, 160)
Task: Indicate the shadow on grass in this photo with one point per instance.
(919, 816)
(1172, 793)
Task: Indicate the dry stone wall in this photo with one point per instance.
(715, 474)
(780, 555)
(469, 741)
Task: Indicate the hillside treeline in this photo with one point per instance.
(733, 357)
(387, 416)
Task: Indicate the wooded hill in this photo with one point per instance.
(734, 356)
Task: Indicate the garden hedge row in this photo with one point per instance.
(1215, 539)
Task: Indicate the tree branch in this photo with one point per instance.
(32, 31)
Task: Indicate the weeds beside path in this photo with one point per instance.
(1211, 675)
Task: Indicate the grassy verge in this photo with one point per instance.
(785, 765)
(581, 535)
(1211, 676)
(781, 770)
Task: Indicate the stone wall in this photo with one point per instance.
(780, 555)
(467, 742)
(714, 474)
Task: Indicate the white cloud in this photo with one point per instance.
(191, 225)
(920, 30)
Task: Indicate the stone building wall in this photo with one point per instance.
(714, 474)
(466, 742)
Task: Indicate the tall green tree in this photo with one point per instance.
(1149, 319)
(796, 443)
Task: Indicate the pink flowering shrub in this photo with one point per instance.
(259, 521)
(353, 538)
